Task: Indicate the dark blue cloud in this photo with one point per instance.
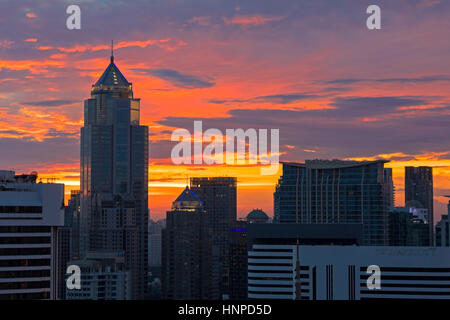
(425, 79)
(178, 79)
(275, 99)
(49, 103)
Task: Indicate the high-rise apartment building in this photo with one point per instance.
(30, 214)
(219, 198)
(419, 187)
(114, 176)
(335, 192)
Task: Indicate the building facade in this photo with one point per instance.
(419, 187)
(114, 176)
(334, 192)
(30, 214)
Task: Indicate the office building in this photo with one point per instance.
(30, 214)
(219, 198)
(186, 251)
(114, 176)
(270, 247)
(335, 192)
(290, 271)
(419, 187)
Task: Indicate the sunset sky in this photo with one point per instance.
(310, 68)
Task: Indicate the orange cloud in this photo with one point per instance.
(250, 20)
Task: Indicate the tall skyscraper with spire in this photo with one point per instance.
(114, 176)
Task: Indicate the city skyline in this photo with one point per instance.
(335, 91)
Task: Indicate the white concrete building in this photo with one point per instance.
(30, 213)
(340, 272)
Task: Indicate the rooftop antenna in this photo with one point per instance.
(112, 50)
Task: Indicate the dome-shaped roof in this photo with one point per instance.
(257, 214)
(414, 204)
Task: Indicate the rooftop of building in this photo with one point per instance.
(112, 77)
(187, 199)
(335, 163)
(7, 176)
(257, 214)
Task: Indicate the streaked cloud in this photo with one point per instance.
(178, 79)
(250, 20)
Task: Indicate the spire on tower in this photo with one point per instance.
(112, 50)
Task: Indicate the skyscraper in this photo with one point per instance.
(186, 253)
(114, 176)
(334, 192)
(219, 198)
(419, 187)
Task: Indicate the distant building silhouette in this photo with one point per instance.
(390, 189)
(219, 196)
(154, 243)
(238, 261)
(408, 226)
(419, 187)
(187, 256)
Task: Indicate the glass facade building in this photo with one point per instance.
(333, 192)
(114, 176)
